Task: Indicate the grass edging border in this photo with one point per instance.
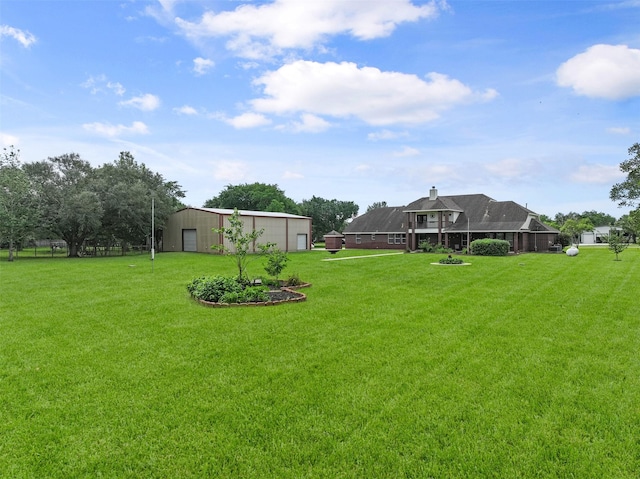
(290, 289)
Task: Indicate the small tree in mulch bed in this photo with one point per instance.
(241, 242)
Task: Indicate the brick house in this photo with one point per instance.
(452, 221)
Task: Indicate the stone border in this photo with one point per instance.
(451, 264)
(290, 289)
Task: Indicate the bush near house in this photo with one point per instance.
(490, 247)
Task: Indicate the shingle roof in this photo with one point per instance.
(389, 219)
(478, 213)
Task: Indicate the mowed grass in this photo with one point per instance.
(518, 367)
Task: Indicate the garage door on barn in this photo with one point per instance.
(189, 241)
(302, 242)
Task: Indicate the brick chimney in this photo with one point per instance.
(433, 193)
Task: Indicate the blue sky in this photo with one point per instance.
(357, 100)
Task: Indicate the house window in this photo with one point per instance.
(358, 239)
(373, 236)
(397, 238)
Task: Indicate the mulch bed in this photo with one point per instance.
(286, 294)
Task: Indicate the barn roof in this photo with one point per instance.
(226, 212)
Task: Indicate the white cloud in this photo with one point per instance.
(116, 87)
(186, 110)
(146, 102)
(603, 71)
(100, 83)
(511, 168)
(345, 90)
(311, 124)
(202, 65)
(231, 171)
(406, 151)
(600, 174)
(386, 135)
(25, 38)
(112, 131)
(247, 120)
(257, 31)
(619, 130)
(7, 140)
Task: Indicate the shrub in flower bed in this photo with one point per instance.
(451, 261)
(223, 289)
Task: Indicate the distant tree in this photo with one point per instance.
(574, 228)
(126, 189)
(241, 241)
(549, 221)
(18, 206)
(617, 242)
(598, 218)
(70, 207)
(254, 197)
(630, 224)
(328, 215)
(376, 204)
(627, 193)
(561, 218)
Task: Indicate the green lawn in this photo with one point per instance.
(518, 367)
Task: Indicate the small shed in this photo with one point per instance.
(333, 241)
(191, 229)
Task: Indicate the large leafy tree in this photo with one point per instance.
(328, 215)
(627, 193)
(18, 207)
(574, 228)
(254, 197)
(631, 223)
(69, 205)
(127, 189)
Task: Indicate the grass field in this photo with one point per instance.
(514, 367)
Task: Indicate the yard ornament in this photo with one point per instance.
(573, 251)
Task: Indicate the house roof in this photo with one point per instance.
(477, 213)
(225, 211)
(388, 219)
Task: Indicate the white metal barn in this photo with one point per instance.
(191, 229)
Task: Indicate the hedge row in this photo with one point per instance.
(490, 247)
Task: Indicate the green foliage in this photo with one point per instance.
(18, 207)
(627, 193)
(426, 247)
(575, 227)
(617, 242)
(376, 204)
(327, 215)
(276, 260)
(242, 243)
(293, 280)
(126, 189)
(213, 288)
(109, 204)
(254, 197)
(224, 289)
(490, 247)
(451, 260)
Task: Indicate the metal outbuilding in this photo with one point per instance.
(191, 229)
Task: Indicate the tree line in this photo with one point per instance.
(65, 197)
